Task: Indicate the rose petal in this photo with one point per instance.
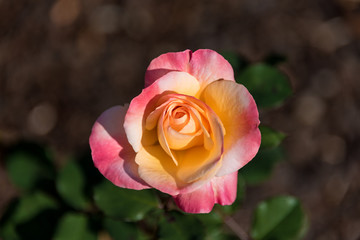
(162, 139)
(194, 163)
(157, 169)
(111, 152)
(178, 141)
(225, 188)
(221, 190)
(152, 119)
(207, 66)
(204, 64)
(142, 105)
(165, 63)
(200, 201)
(238, 112)
(185, 133)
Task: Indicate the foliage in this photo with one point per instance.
(279, 218)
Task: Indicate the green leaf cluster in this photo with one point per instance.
(72, 204)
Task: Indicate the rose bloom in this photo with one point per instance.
(187, 134)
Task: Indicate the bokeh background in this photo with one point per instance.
(63, 62)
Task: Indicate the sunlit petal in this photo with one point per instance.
(238, 112)
(111, 152)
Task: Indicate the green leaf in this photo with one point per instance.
(119, 230)
(279, 218)
(27, 170)
(211, 220)
(270, 138)
(73, 226)
(213, 225)
(31, 205)
(70, 184)
(268, 85)
(124, 204)
(219, 234)
(260, 168)
(8, 231)
(178, 226)
(26, 215)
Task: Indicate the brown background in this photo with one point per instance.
(64, 62)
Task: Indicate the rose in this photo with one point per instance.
(187, 134)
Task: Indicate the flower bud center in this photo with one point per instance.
(182, 123)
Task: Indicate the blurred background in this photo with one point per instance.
(63, 62)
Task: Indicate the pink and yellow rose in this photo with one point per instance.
(187, 134)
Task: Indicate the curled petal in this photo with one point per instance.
(111, 152)
(196, 162)
(153, 117)
(162, 139)
(181, 128)
(238, 112)
(178, 141)
(142, 105)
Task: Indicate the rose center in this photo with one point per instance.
(179, 114)
(182, 124)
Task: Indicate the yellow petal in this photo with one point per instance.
(179, 141)
(238, 112)
(142, 105)
(197, 162)
(157, 169)
(162, 137)
(153, 117)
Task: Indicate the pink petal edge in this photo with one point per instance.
(221, 190)
(204, 64)
(200, 201)
(167, 62)
(225, 188)
(111, 152)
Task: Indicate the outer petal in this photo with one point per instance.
(200, 201)
(111, 152)
(221, 190)
(204, 64)
(207, 66)
(158, 170)
(173, 61)
(238, 112)
(225, 188)
(142, 105)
